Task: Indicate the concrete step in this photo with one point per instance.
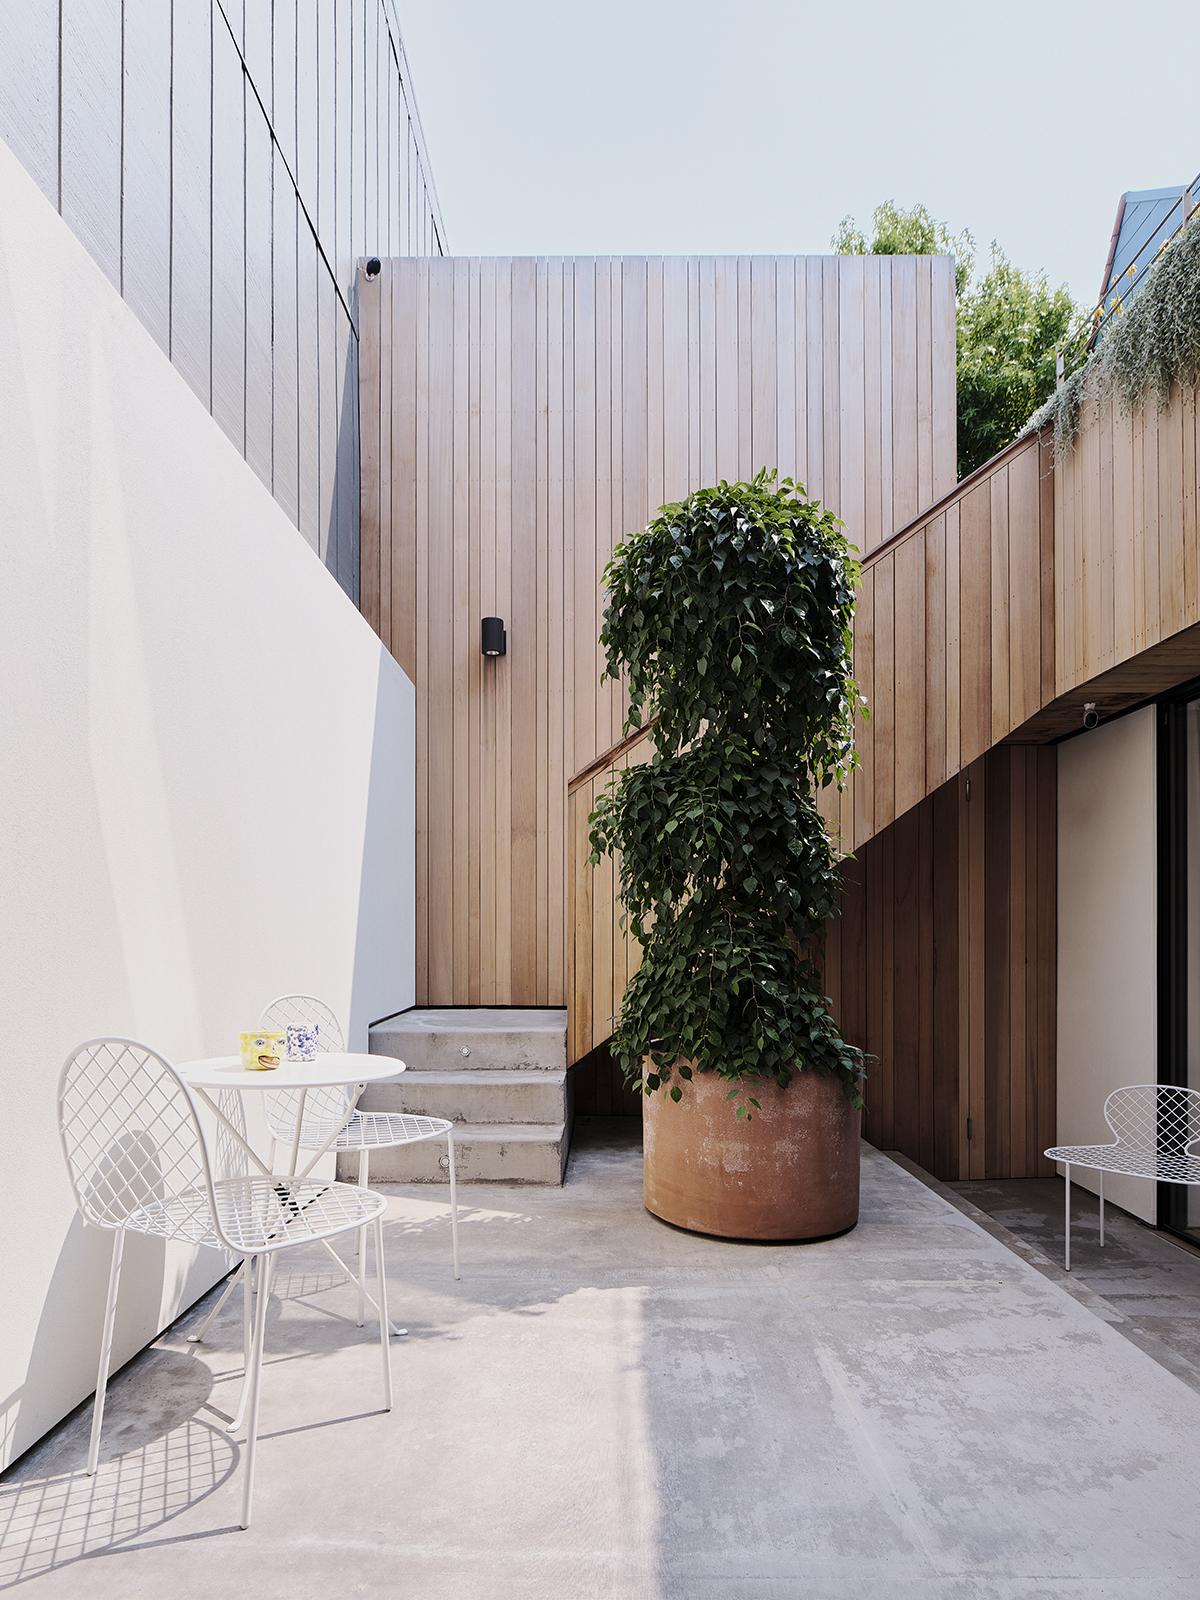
(474, 1095)
(494, 1152)
(451, 1039)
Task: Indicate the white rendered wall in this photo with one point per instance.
(1107, 932)
(165, 634)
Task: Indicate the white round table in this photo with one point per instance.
(343, 1069)
(332, 1069)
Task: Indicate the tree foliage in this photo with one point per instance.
(914, 232)
(1011, 326)
(731, 614)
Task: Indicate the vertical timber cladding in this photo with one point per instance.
(523, 415)
(942, 964)
(227, 164)
(953, 638)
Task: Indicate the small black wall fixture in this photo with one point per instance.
(493, 637)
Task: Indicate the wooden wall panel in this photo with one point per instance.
(1125, 512)
(980, 630)
(538, 411)
(941, 965)
(189, 165)
(601, 954)
(950, 636)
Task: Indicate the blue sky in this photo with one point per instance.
(667, 127)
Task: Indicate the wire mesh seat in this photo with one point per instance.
(139, 1162)
(1154, 1127)
(258, 1214)
(321, 1111)
(376, 1130)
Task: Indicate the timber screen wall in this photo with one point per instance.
(226, 162)
(521, 416)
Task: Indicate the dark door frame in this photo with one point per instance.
(1172, 941)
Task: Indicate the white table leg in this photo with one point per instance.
(351, 1107)
(453, 1202)
(296, 1133)
(224, 1120)
(360, 1244)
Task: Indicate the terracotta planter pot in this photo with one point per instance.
(790, 1172)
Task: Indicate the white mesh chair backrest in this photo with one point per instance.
(321, 1106)
(305, 1011)
(130, 1135)
(1157, 1119)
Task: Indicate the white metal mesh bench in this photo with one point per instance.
(1155, 1126)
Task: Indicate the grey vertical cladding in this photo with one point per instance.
(260, 283)
(90, 113)
(29, 80)
(228, 237)
(228, 164)
(146, 166)
(285, 347)
(191, 196)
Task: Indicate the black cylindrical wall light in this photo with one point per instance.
(494, 639)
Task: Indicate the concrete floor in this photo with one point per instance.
(1144, 1282)
(606, 1407)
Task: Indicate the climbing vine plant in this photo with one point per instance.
(731, 613)
(1146, 348)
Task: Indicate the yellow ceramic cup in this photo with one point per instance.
(262, 1052)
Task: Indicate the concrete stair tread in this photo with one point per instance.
(484, 1152)
(508, 1132)
(433, 1039)
(477, 1019)
(501, 1076)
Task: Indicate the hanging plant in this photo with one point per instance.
(1147, 347)
(731, 613)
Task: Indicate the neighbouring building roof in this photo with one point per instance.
(1146, 218)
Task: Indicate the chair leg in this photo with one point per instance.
(385, 1327)
(1067, 1210)
(235, 1422)
(255, 1382)
(453, 1202)
(200, 1333)
(271, 1156)
(361, 1247)
(106, 1339)
(1102, 1210)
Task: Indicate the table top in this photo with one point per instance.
(331, 1068)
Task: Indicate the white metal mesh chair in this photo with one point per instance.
(1154, 1127)
(325, 1109)
(139, 1162)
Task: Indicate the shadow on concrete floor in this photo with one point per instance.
(607, 1407)
(1149, 1280)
